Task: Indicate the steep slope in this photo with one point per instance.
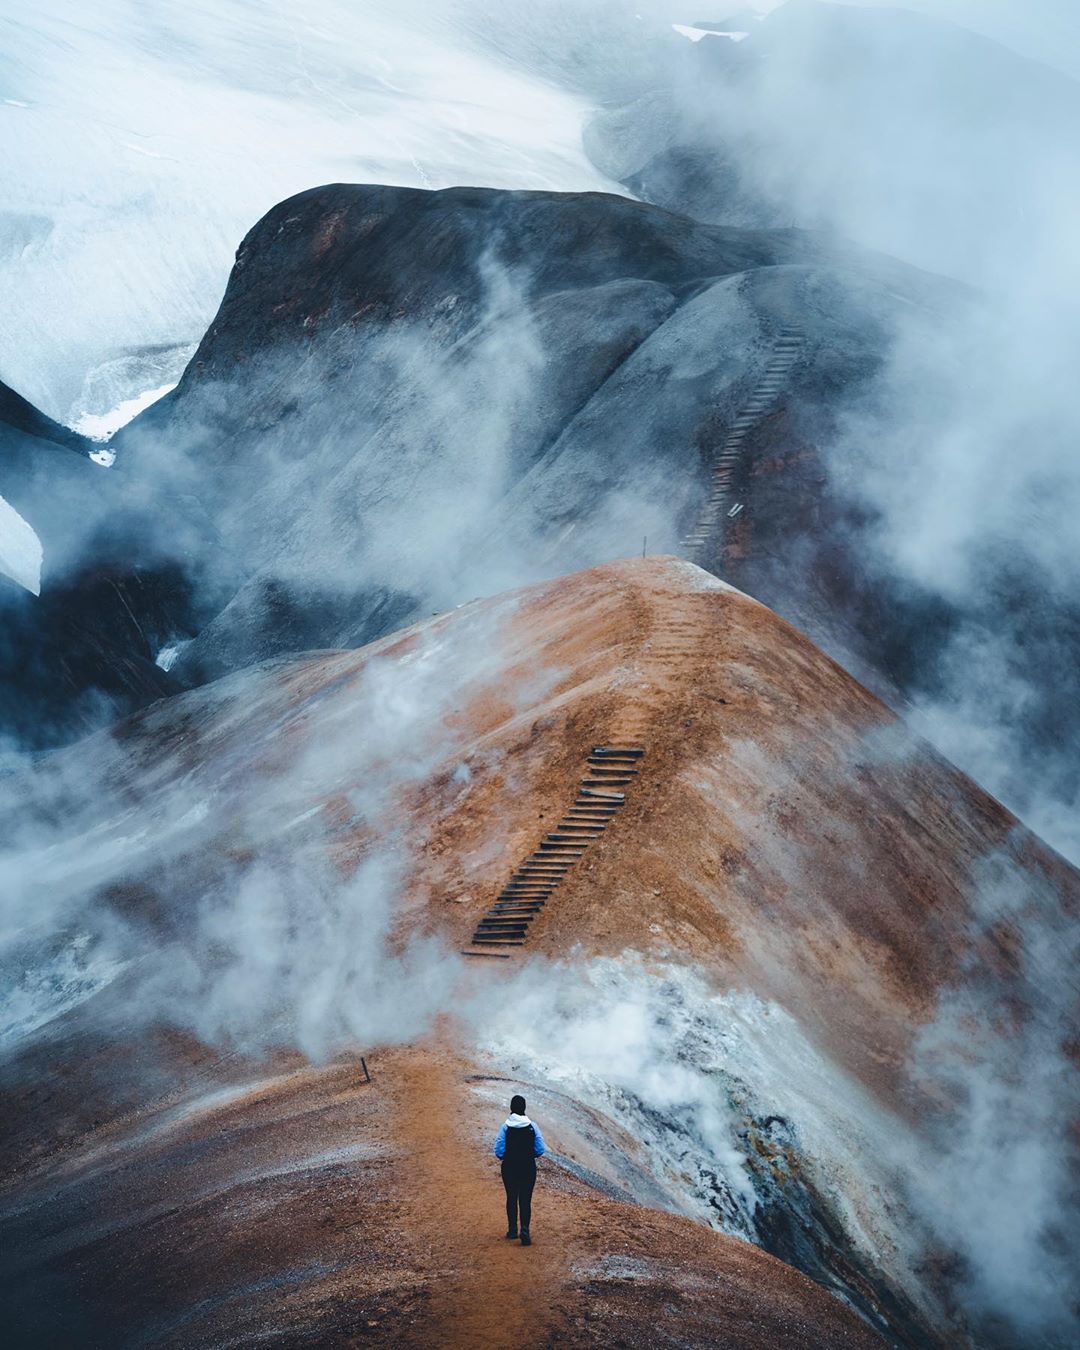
(771, 992)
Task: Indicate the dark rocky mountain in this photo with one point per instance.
(410, 398)
(81, 652)
(17, 414)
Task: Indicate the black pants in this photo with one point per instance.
(519, 1183)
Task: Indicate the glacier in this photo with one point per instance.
(146, 143)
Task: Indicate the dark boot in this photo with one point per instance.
(511, 1233)
(526, 1240)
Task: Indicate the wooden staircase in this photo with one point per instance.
(610, 770)
(719, 507)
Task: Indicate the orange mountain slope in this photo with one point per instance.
(720, 907)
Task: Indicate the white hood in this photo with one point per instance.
(515, 1122)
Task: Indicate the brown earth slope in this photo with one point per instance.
(313, 1208)
(785, 836)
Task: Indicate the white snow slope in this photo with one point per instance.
(147, 136)
(20, 549)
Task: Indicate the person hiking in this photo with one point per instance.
(517, 1146)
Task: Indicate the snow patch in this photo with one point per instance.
(696, 34)
(99, 427)
(43, 992)
(21, 553)
(166, 658)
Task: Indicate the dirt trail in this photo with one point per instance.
(600, 1272)
(493, 1292)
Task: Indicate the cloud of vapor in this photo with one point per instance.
(975, 1185)
(907, 133)
(743, 1123)
(966, 465)
(1044, 30)
(247, 886)
(369, 480)
(999, 1052)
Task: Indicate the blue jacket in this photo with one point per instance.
(513, 1122)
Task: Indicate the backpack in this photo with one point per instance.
(520, 1146)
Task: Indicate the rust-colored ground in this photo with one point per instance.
(310, 1208)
